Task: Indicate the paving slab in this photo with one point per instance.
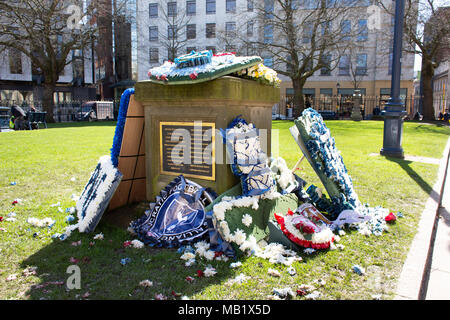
(417, 267)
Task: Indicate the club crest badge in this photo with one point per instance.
(177, 217)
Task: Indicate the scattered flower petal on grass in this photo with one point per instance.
(124, 261)
(241, 278)
(209, 272)
(273, 272)
(234, 265)
(137, 244)
(74, 260)
(29, 271)
(200, 273)
(390, 218)
(46, 222)
(146, 283)
(190, 263)
(284, 293)
(320, 282)
(189, 278)
(99, 236)
(313, 295)
(309, 250)
(11, 277)
(358, 270)
(291, 271)
(127, 243)
(160, 296)
(301, 292)
(76, 243)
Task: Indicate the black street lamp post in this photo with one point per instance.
(394, 110)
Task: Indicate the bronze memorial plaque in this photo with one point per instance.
(188, 148)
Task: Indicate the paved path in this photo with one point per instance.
(426, 271)
(439, 279)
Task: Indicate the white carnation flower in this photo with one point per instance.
(209, 272)
(247, 220)
(187, 256)
(239, 237)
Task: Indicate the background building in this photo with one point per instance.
(21, 82)
(205, 24)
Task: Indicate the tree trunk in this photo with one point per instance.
(299, 101)
(47, 101)
(427, 80)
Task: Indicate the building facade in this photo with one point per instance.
(21, 82)
(165, 25)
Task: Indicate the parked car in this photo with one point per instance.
(95, 110)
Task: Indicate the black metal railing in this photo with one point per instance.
(371, 106)
(62, 112)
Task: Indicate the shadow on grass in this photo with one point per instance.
(102, 274)
(405, 165)
(431, 128)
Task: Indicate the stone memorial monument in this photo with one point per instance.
(185, 123)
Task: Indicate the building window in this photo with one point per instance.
(230, 29)
(289, 65)
(250, 5)
(210, 30)
(15, 61)
(362, 30)
(153, 33)
(154, 55)
(361, 64)
(268, 9)
(231, 6)
(344, 65)
(213, 49)
(307, 33)
(171, 32)
(250, 25)
(210, 6)
(171, 9)
(153, 10)
(190, 49)
(268, 33)
(251, 50)
(191, 31)
(310, 4)
(326, 65)
(325, 28)
(346, 29)
(191, 8)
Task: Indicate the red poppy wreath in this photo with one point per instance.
(301, 230)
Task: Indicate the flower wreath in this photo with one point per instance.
(308, 232)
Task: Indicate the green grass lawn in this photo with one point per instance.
(50, 165)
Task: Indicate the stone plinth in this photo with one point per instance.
(215, 102)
